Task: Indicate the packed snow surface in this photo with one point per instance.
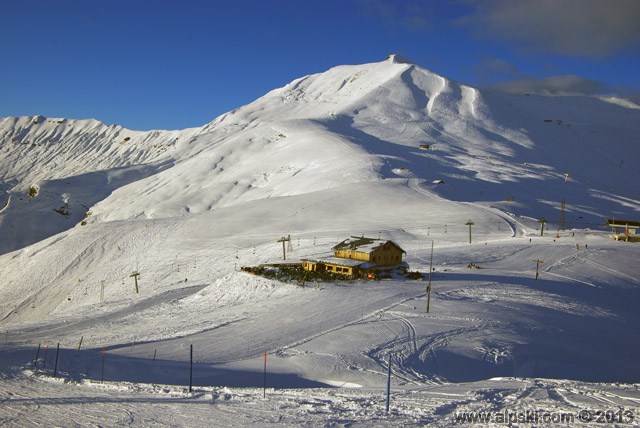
(125, 247)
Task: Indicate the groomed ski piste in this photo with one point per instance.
(386, 150)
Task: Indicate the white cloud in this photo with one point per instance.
(553, 85)
(592, 28)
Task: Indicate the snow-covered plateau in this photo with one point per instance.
(124, 249)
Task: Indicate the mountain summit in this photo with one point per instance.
(391, 123)
(398, 59)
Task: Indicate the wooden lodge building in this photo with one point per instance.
(625, 230)
(359, 257)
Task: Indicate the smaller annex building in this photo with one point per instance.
(359, 257)
(624, 230)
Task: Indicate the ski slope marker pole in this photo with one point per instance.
(79, 345)
(388, 385)
(55, 367)
(35, 363)
(264, 377)
(104, 352)
(191, 368)
(430, 272)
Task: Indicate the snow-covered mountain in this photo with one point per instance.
(387, 149)
(351, 124)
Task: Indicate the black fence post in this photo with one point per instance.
(79, 345)
(264, 377)
(388, 385)
(104, 352)
(191, 368)
(55, 367)
(35, 363)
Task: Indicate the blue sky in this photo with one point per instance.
(176, 64)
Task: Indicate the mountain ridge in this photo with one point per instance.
(353, 123)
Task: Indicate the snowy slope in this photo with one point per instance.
(356, 123)
(330, 155)
(350, 124)
(68, 165)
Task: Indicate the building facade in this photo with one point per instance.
(358, 257)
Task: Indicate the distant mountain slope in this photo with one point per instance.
(358, 123)
(53, 170)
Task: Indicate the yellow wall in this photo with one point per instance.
(386, 255)
(311, 267)
(351, 254)
(345, 270)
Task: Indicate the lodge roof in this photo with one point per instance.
(364, 245)
(623, 223)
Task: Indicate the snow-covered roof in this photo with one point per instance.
(623, 223)
(362, 244)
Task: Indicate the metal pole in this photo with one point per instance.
(388, 385)
(35, 363)
(135, 275)
(55, 367)
(264, 376)
(191, 369)
(538, 262)
(79, 345)
(429, 286)
(469, 223)
(104, 352)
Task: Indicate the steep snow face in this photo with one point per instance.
(394, 119)
(350, 124)
(52, 171)
(523, 153)
(36, 148)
